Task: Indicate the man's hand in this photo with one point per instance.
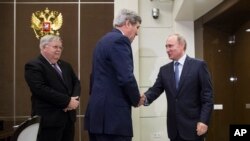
(142, 100)
(73, 104)
(201, 128)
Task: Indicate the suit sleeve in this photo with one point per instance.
(34, 75)
(121, 57)
(156, 90)
(206, 94)
(76, 84)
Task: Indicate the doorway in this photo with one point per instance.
(228, 59)
(225, 47)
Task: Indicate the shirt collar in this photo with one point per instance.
(48, 60)
(120, 31)
(182, 59)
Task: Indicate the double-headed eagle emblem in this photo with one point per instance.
(46, 22)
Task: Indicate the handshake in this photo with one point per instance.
(142, 101)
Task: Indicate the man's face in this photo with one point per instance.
(174, 49)
(53, 51)
(132, 30)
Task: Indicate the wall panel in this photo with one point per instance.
(6, 61)
(46, 1)
(83, 24)
(97, 1)
(96, 20)
(27, 45)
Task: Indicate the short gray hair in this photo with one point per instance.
(180, 39)
(125, 15)
(47, 39)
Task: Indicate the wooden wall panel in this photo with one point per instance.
(6, 61)
(3, 1)
(97, 0)
(226, 61)
(241, 69)
(27, 46)
(59, 1)
(218, 55)
(18, 45)
(96, 20)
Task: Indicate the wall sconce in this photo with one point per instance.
(155, 13)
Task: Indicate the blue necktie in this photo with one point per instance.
(176, 73)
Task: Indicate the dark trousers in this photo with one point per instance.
(178, 138)
(105, 137)
(62, 133)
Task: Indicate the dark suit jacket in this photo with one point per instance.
(113, 87)
(193, 102)
(51, 94)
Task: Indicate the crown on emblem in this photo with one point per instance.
(46, 22)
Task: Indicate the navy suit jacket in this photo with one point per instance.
(51, 94)
(113, 87)
(191, 103)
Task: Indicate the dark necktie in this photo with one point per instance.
(176, 73)
(55, 66)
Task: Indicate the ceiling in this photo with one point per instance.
(229, 19)
(232, 18)
(190, 10)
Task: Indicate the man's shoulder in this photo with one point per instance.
(109, 37)
(195, 60)
(63, 62)
(114, 34)
(35, 60)
(112, 38)
(166, 66)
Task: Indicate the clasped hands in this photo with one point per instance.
(73, 104)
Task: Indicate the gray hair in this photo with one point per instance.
(47, 39)
(125, 15)
(180, 39)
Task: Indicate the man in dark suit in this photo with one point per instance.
(188, 90)
(113, 85)
(55, 91)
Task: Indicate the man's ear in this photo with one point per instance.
(127, 23)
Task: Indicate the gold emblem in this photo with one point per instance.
(46, 22)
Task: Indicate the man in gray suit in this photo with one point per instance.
(187, 84)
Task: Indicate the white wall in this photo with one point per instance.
(149, 55)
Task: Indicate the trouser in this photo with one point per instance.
(61, 133)
(105, 137)
(178, 138)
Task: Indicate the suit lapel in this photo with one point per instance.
(54, 71)
(48, 65)
(185, 72)
(63, 69)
